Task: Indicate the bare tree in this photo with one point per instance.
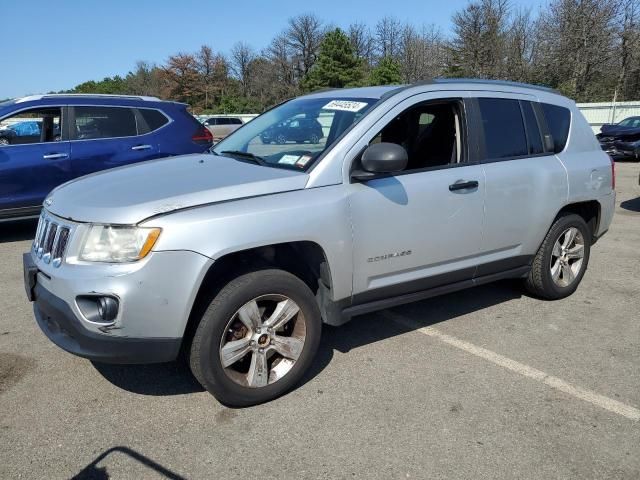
(362, 41)
(479, 42)
(241, 57)
(577, 47)
(422, 53)
(304, 34)
(388, 37)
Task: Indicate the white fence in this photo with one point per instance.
(597, 114)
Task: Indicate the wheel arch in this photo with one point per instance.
(306, 260)
(589, 210)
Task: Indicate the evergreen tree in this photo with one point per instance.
(337, 65)
(387, 72)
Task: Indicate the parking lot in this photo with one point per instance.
(484, 383)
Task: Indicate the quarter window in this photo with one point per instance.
(558, 121)
(504, 134)
(104, 122)
(153, 118)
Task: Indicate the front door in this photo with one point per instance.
(33, 165)
(421, 228)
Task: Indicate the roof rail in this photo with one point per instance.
(86, 95)
(479, 81)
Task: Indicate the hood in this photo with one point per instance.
(128, 195)
(609, 130)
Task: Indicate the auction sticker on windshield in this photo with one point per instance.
(289, 159)
(345, 105)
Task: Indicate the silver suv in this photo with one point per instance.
(238, 257)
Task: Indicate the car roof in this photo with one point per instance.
(81, 98)
(380, 92)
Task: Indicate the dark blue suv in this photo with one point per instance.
(46, 140)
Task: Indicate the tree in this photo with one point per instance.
(304, 35)
(241, 57)
(387, 72)
(388, 36)
(182, 78)
(337, 65)
(362, 42)
(146, 79)
(577, 48)
(422, 53)
(479, 43)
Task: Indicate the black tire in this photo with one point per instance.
(540, 282)
(315, 138)
(281, 139)
(204, 356)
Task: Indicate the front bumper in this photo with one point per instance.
(155, 298)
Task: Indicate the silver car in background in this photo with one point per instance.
(237, 258)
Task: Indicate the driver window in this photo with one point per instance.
(40, 125)
(430, 133)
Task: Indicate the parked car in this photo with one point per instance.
(621, 140)
(294, 130)
(238, 258)
(51, 139)
(221, 127)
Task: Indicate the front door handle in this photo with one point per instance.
(141, 147)
(55, 156)
(461, 185)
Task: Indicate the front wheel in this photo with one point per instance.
(257, 338)
(562, 259)
(315, 138)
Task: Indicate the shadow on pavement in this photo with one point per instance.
(95, 472)
(159, 379)
(18, 230)
(176, 378)
(632, 205)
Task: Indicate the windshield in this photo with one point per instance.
(295, 133)
(630, 122)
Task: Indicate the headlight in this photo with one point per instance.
(106, 243)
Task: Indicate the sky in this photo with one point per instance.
(50, 46)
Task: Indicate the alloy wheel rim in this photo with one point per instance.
(567, 257)
(263, 341)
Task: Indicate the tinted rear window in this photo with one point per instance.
(504, 135)
(153, 118)
(104, 122)
(558, 121)
(533, 131)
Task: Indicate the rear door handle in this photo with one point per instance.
(463, 185)
(141, 147)
(55, 156)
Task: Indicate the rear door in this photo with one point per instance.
(36, 163)
(104, 137)
(526, 183)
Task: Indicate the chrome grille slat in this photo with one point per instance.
(51, 241)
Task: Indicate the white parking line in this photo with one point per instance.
(520, 368)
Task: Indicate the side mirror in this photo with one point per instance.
(381, 158)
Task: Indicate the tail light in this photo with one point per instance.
(202, 135)
(613, 173)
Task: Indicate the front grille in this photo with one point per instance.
(51, 240)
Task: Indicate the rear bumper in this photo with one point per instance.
(58, 322)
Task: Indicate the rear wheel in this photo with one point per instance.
(562, 259)
(257, 338)
(315, 138)
(281, 139)
(4, 141)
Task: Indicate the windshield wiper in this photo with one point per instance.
(247, 155)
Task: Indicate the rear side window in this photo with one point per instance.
(558, 121)
(104, 122)
(236, 121)
(154, 119)
(533, 131)
(504, 135)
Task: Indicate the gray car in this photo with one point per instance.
(238, 257)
